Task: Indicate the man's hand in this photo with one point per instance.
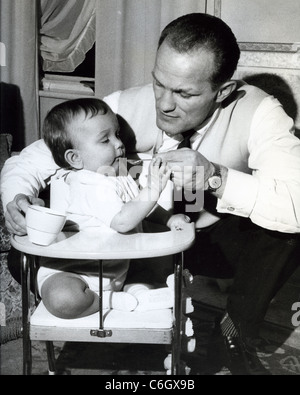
(186, 165)
(16, 210)
(191, 170)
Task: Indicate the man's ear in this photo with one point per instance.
(73, 157)
(226, 90)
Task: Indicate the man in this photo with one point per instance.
(241, 138)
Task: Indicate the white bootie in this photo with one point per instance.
(149, 298)
(119, 301)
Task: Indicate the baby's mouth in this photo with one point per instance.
(118, 158)
(121, 156)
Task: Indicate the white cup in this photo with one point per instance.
(43, 224)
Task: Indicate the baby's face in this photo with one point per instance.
(98, 142)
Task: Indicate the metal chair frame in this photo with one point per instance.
(68, 245)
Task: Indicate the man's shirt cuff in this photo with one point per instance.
(240, 194)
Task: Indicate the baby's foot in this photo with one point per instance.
(152, 299)
(155, 299)
(171, 282)
(137, 289)
(119, 301)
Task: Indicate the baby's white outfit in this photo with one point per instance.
(91, 200)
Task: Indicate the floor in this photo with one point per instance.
(209, 301)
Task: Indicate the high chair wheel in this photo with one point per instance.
(187, 307)
(184, 369)
(189, 345)
(168, 362)
(188, 327)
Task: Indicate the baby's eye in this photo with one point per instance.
(106, 141)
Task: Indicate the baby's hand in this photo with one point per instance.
(158, 176)
(177, 221)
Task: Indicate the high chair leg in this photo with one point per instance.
(176, 344)
(27, 354)
(51, 358)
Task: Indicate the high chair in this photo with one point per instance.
(108, 326)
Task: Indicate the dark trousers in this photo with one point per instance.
(259, 261)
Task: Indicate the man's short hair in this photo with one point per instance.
(193, 31)
(56, 125)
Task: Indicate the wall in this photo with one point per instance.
(268, 32)
(127, 33)
(127, 38)
(18, 34)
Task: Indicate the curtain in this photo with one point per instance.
(18, 35)
(126, 47)
(67, 33)
(127, 33)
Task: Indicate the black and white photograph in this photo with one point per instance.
(150, 190)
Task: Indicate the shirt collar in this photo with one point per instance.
(212, 120)
(169, 143)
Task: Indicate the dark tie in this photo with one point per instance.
(186, 142)
(180, 205)
(210, 201)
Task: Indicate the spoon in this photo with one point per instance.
(136, 162)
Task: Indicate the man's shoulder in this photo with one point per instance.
(133, 93)
(140, 94)
(141, 90)
(136, 108)
(127, 102)
(245, 97)
(250, 92)
(39, 145)
(40, 151)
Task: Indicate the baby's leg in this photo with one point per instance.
(119, 301)
(66, 295)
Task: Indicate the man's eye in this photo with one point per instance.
(185, 95)
(158, 84)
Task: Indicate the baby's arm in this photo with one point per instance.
(135, 211)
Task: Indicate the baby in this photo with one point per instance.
(84, 138)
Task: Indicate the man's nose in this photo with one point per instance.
(166, 101)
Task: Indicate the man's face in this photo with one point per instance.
(184, 96)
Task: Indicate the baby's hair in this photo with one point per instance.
(56, 125)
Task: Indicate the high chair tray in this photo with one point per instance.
(110, 245)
